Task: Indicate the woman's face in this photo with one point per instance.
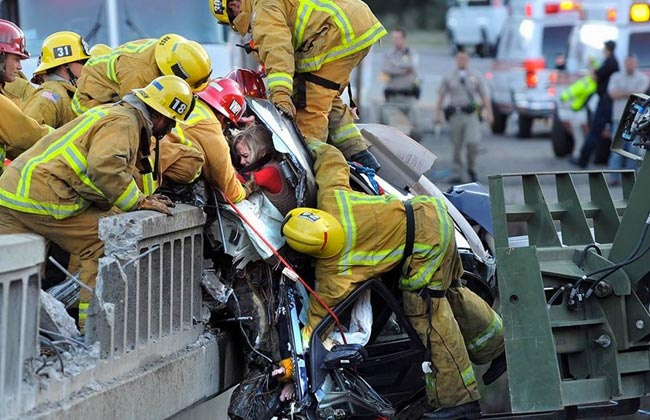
(243, 153)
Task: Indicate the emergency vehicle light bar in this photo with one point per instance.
(563, 6)
(640, 12)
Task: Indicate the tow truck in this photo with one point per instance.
(523, 78)
(628, 23)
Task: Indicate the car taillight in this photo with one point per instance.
(531, 79)
(552, 77)
(534, 64)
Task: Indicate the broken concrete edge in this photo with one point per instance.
(168, 384)
(54, 317)
(20, 251)
(122, 233)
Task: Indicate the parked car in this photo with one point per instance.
(475, 23)
(628, 23)
(524, 74)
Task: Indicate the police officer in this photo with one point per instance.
(63, 55)
(467, 94)
(402, 86)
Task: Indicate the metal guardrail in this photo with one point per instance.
(21, 257)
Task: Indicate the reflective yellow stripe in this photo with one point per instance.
(480, 341)
(345, 132)
(302, 18)
(83, 310)
(280, 79)
(76, 105)
(79, 164)
(3, 155)
(364, 41)
(349, 227)
(201, 112)
(27, 205)
(337, 14)
(55, 149)
(129, 198)
(430, 381)
(134, 47)
(149, 184)
(468, 375)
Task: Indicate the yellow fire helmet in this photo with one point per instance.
(61, 48)
(313, 232)
(170, 95)
(100, 49)
(220, 11)
(185, 59)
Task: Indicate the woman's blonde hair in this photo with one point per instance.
(258, 140)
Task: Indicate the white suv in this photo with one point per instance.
(524, 76)
(475, 23)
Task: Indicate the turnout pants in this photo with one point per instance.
(480, 325)
(452, 381)
(325, 116)
(77, 235)
(465, 134)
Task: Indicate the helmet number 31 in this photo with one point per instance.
(62, 51)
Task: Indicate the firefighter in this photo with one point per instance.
(107, 78)
(355, 237)
(220, 104)
(309, 49)
(20, 90)
(99, 49)
(70, 178)
(63, 55)
(17, 131)
(15, 85)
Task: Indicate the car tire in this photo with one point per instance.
(500, 121)
(525, 125)
(561, 139)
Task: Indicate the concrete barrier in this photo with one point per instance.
(21, 257)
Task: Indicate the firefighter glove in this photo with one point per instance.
(282, 101)
(151, 202)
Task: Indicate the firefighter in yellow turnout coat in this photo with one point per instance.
(309, 48)
(17, 131)
(63, 55)
(72, 177)
(107, 78)
(370, 241)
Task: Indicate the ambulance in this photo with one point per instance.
(530, 54)
(627, 22)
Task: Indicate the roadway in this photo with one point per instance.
(499, 153)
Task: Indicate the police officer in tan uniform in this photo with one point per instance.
(467, 96)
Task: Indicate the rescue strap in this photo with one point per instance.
(289, 267)
(300, 98)
(370, 173)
